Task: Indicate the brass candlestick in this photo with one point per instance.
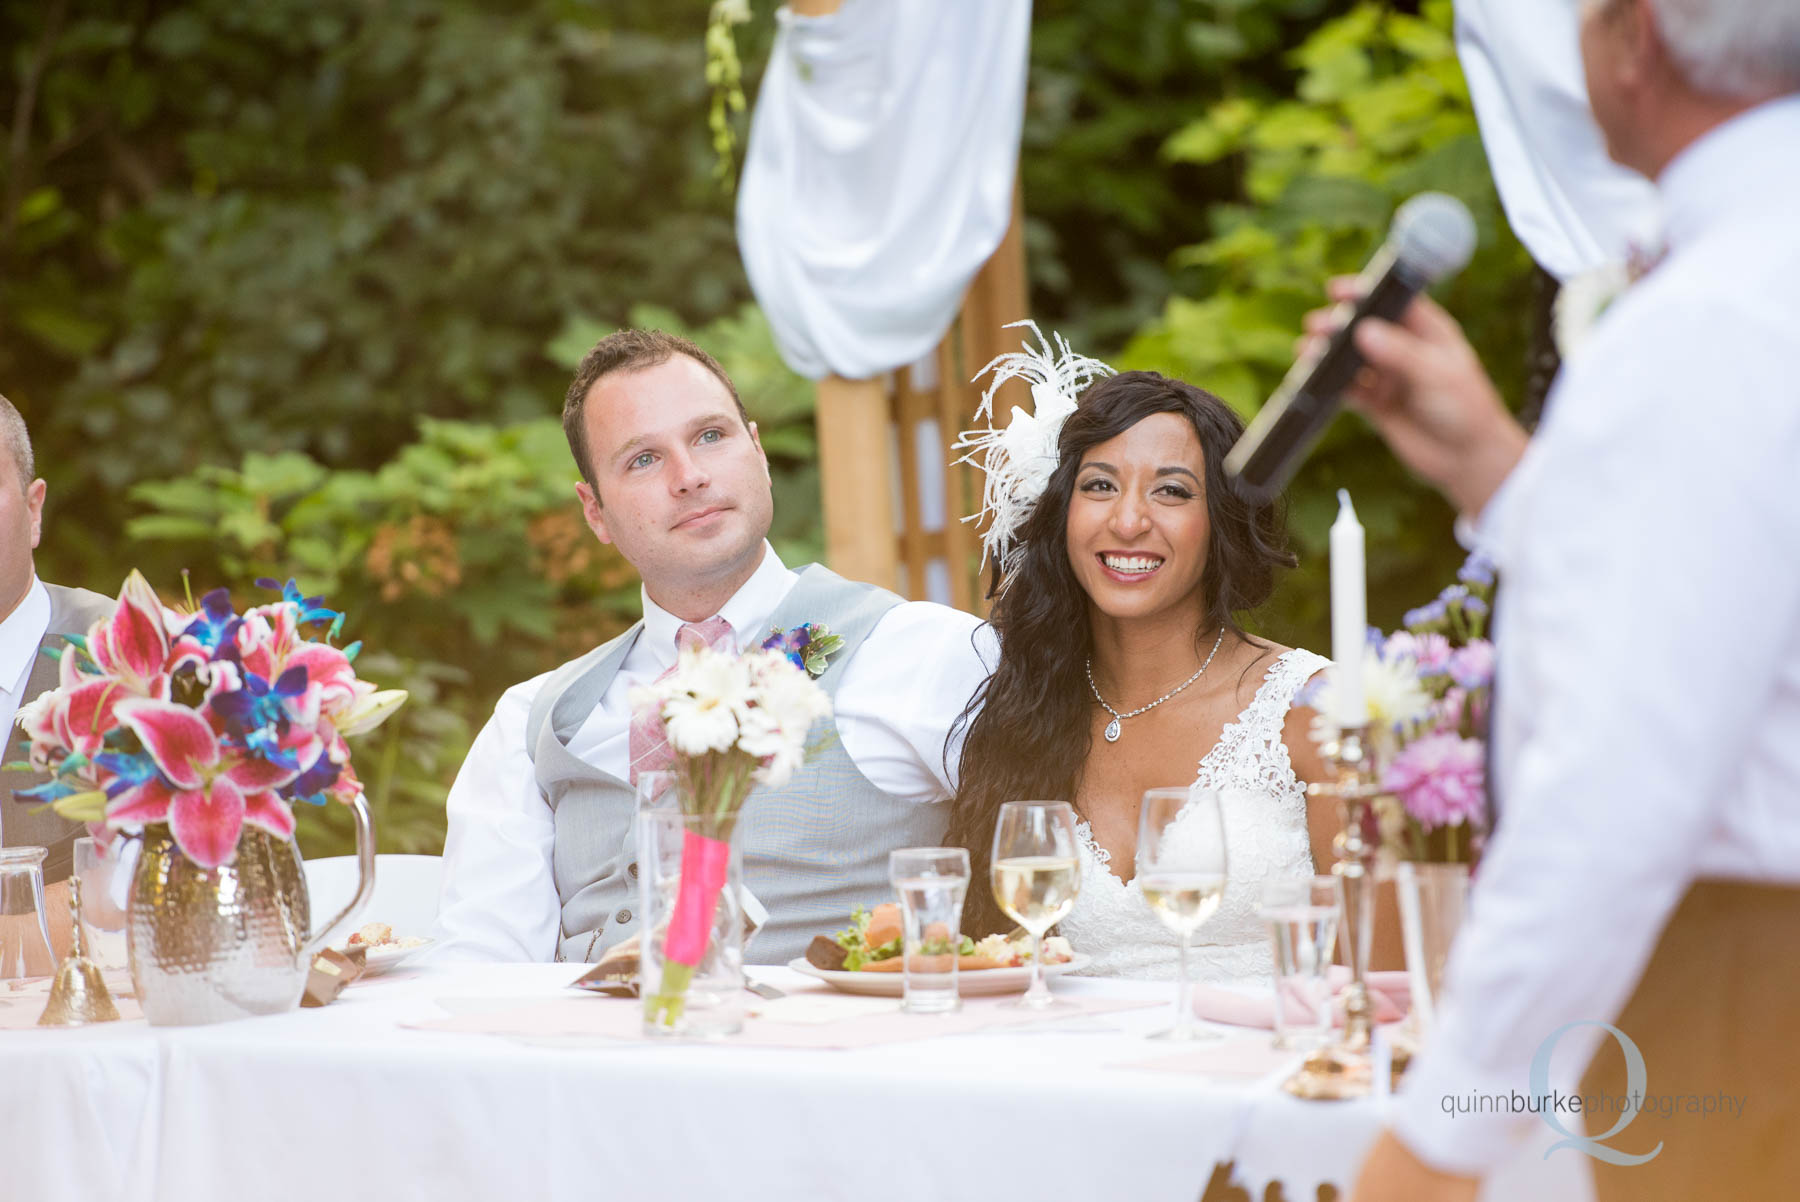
(79, 994)
(1344, 1069)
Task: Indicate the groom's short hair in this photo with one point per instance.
(15, 442)
(627, 350)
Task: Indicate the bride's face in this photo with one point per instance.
(1138, 527)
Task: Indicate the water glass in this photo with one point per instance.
(1302, 914)
(105, 894)
(1036, 873)
(24, 936)
(1181, 871)
(931, 882)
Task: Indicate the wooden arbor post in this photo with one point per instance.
(893, 502)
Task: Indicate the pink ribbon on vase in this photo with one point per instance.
(703, 866)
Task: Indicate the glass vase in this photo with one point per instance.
(1432, 900)
(692, 952)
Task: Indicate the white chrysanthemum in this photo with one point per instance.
(774, 728)
(1392, 688)
(794, 697)
(1391, 692)
(702, 700)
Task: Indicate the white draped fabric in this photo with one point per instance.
(1572, 206)
(346, 1104)
(879, 175)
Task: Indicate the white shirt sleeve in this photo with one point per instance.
(903, 692)
(499, 898)
(1629, 696)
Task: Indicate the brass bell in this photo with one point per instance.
(79, 994)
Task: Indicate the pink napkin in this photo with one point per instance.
(1387, 990)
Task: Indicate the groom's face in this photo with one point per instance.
(681, 483)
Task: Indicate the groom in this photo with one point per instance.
(540, 860)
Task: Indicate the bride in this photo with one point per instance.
(1122, 666)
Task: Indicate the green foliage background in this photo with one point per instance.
(294, 288)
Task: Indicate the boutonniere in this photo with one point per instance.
(1583, 298)
(806, 646)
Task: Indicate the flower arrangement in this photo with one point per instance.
(809, 646)
(207, 721)
(1428, 687)
(732, 722)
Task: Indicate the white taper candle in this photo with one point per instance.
(1349, 616)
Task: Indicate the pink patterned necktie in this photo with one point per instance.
(648, 742)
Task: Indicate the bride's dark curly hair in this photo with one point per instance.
(1028, 729)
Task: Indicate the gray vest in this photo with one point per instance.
(72, 611)
(813, 850)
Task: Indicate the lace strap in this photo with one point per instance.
(1268, 710)
(1257, 731)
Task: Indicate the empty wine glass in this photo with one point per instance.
(24, 936)
(1036, 873)
(1181, 873)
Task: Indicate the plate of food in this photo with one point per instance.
(385, 949)
(865, 958)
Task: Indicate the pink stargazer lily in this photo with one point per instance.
(132, 645)
(77, 719)
(216, 790)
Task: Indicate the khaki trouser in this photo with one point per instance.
(1714, 1014)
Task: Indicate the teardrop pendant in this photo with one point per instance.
(1112, 731)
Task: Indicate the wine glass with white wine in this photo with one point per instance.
(1036, 873)
(1181, 873)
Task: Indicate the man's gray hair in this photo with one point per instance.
(1738, 48)
(17, 441)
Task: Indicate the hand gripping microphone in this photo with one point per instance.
(1432, 239)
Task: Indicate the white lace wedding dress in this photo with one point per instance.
(1265, 834)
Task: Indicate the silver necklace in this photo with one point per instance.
(1113, 729)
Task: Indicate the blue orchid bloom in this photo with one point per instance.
(256, 716)
(54, 789)
(130, 770)
(214, 621)
(311, 786)
(310, 609)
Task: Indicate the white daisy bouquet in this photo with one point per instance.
(732, 722)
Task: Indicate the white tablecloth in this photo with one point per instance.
(343, 1103)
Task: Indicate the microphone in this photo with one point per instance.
(1431, 239)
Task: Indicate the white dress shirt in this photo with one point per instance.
(21, 634)
(1648, 721)
(896, 701)
(1571, 205)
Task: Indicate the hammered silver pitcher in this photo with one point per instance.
(212, 944)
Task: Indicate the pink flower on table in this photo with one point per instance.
(1472, 666)
(1430, 652)
(1440, 779)
(205, 791)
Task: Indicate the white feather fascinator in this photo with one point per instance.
(1019, 459)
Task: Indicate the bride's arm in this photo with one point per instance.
(1322, 826)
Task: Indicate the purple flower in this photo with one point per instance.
(1453, 594)
(1478, 569)
(1475, 607)
(1439, 779)
(1472, 667)
(1432, 613)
